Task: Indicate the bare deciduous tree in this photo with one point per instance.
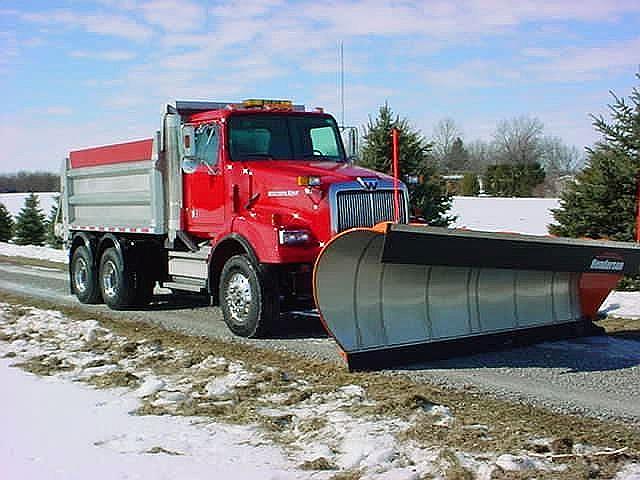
(518, 140)
(558, 158)
(445, 134)
(481, 155)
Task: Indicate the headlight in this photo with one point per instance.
(293, 237)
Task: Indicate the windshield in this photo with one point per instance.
(280, 137)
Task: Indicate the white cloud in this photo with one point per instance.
(104, 24)
(471, 74)
(174, 16)
(108, 55)
(8, 50)
(58, 110)
(586, 63)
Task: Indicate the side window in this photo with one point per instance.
(207, 141)
(323, 141)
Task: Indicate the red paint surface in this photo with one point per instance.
(395, 133)
(594, 289)
(109, 154)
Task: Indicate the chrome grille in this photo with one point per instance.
(361, 208)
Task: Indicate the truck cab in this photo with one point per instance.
(243, 197)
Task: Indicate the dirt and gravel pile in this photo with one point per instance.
(336, 424)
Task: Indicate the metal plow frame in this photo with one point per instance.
(384, 309)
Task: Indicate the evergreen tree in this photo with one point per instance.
(458, 158)
(6, 224)
(513, 180)
(427, 196)
(30, 223)
(602, 201)
(52, 240)
(470, 185)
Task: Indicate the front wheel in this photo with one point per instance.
(248, 298)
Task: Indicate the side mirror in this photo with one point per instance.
(189, 162)
(350, 142)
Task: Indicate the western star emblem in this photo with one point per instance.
(368, 183)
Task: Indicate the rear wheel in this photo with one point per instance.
(116, 282)
(84, 276)
(248, 298)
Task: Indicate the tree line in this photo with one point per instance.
(519, 160)
(31, 226)
(29, 182)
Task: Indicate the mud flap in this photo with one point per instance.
(403, 293)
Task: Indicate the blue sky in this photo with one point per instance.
(80, 73)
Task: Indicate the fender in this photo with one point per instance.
(116, 243)
(242, 241)
(224, 249)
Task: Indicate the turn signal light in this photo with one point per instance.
(309, 181)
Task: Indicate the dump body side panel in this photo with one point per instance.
(117, 188)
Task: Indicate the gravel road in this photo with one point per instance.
(595, 376)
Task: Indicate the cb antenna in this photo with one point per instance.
(342, 82)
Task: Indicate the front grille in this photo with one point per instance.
(359, 208)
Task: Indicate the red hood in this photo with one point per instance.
(330, 172)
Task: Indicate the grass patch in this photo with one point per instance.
(114, 380)
(621, 327)
(320, 463)
(43, 365)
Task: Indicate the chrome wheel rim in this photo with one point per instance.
(239, 297)
(80, 275)
(109, 278)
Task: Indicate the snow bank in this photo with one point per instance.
(15, 201)
(519, 215)
(622, 304)
(31, 251)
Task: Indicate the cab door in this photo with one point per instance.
(204, 189)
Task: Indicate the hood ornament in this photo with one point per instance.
(369, 184)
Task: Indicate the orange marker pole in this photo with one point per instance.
(395, 135)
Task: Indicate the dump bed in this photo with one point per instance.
(115, 188)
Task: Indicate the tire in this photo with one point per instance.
(248, 299)
(116, 282)
(84, 277)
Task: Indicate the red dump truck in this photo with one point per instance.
(258, 205)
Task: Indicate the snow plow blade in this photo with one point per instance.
(399, 294)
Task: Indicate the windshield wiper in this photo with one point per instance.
(321, 157)
(252, 156)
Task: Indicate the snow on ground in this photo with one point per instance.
(31, 251)
(622, 304)
(58, 430)
(519, 215)
(168, 413)
(15, 201)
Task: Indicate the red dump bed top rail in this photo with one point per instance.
(117, 153)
